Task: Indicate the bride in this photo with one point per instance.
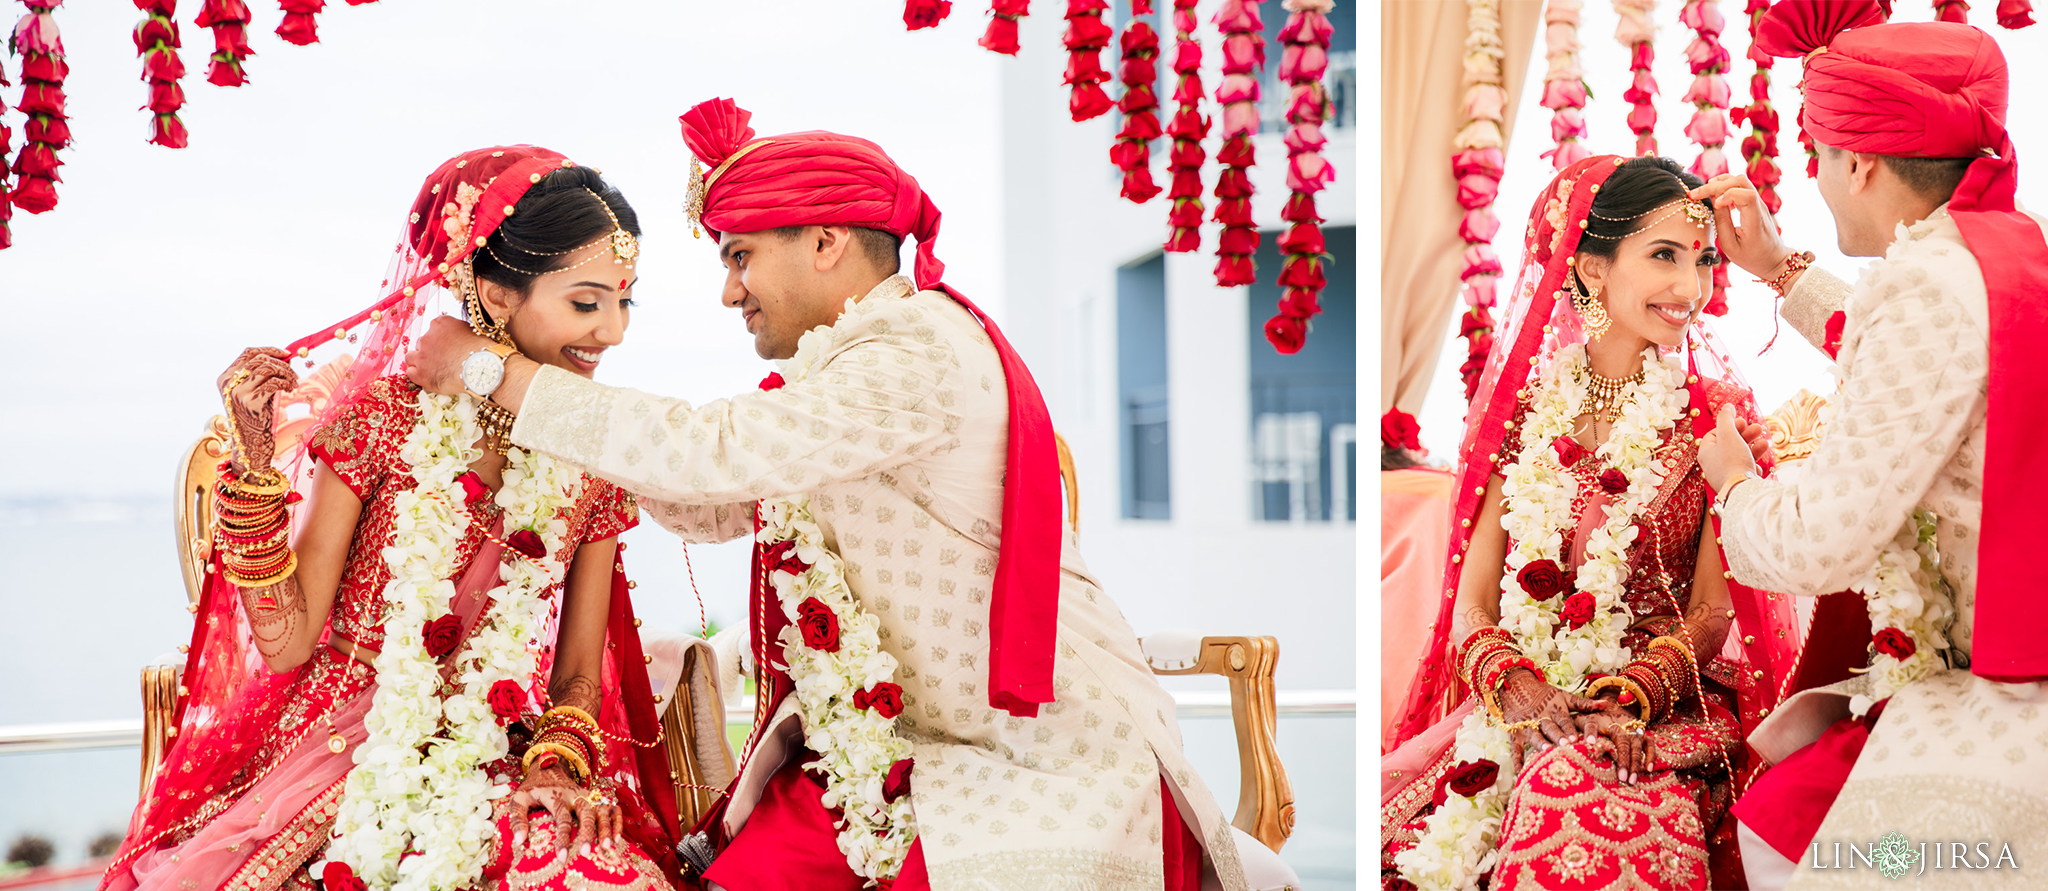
(1586, 728)
(415, 663)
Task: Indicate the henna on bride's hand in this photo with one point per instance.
(269, 374)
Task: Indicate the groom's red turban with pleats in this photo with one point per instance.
(1938, 90)
(818, 178)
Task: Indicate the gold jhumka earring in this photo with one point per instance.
(1588, 306)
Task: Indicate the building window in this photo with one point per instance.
(1304, 427)
(1141, 388)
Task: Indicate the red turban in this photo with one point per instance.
(818, 178)
(1938, 90)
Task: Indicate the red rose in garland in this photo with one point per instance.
(1085, 39)
(441, 635)
(781, 556)
(885, 698)
(1469, 778)
(1541, 578)
(1244, 53)
(1613, 481)
(1895, 643)
(1305, 57)
(299, 27)
(1578, 609)
(897, 783)
(1286, 334)
(157, 43)
(473, 488)
(818, 625)
(527, 541)
(773, 381)
(505, 698)
(1001, 36)
(1398, 430)
(339, 877)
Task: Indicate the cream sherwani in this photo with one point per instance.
(1954, 758)
(898, 436)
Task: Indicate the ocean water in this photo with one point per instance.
(89, 593)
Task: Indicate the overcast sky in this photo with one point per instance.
(118, 308)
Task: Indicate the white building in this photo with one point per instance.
(1218, 478)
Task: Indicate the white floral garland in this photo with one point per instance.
(856, 745)
(415, 814)
(1905, 590)
(1459, 841)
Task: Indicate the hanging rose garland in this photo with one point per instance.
(1636, 32)
(6, 146)
(229, 20)
(1305, 56)
(1132, 152)
(1188, 128)
(156, 42)
(925, 13)
(1760, 147)
(1001, 36)
(1087, 35)
(1244, 53)
(2015, 14)
(299, 27)
(1477, 165)
(1709, 91)
(1564, 87)
(42, 99)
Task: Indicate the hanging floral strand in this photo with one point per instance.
(1709, 93)
(1085, 39)
(6, 148)
(2015, 14)
(1188, 128)
(1304, 57)
(1564, 86)
(1132, 152)
(1636, 31)
(156, 41)
(925, 13)
(1477, 165)
(299, 27)
(229, 20)
(1244, 54)
(1001, 36)
(43, 71)
(1760, 147)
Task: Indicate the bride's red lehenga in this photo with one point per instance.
(1569, 821)
(247, 794)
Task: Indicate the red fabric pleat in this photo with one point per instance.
(1179, 848)
(1785, 805)
(656, 838)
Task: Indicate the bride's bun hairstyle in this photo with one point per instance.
(1629, 194)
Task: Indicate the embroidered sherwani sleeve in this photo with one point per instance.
(1914, 364)
(1817, 295)
(878, 400)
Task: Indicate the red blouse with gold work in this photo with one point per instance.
(361, 445)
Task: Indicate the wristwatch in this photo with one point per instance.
(484, 370)
(1721, 499)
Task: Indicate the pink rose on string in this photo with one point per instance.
(1709, 127)
(1711, 89)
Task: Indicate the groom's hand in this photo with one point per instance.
(1755, 244)
(435, 363)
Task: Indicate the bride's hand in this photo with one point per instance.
(1623, 738)
(593, 812)
(259, 376)
(1526, 697)
(1724, 455)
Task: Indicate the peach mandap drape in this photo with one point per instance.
(1422, 81)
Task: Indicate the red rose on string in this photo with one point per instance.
(1613, 481)
(1568, 450)
(506, 697)
(885, 698)
(818, 624)
(339, 877)
(925, 13)
(1398, 429)
(773, 381)
(1541, 578)
(1895, 643)
(1578, 609)
(441, 635)
(782, 556)
(527, 541)
(1286, 334)
(897, 784)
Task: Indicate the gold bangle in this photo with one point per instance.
(568, 712)
(572, 763)
(291, 565)
(1642, 703)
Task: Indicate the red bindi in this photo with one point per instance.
(622, 282)
(1695, 244)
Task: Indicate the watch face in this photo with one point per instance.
(482, 371)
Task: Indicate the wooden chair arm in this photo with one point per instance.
(700, 760)
(1265, 800)
(160, 692)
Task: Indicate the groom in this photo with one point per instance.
(1944, 374)
(1045, 754)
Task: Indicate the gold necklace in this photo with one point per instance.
(1605, 396)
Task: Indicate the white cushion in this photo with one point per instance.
(1263, 869)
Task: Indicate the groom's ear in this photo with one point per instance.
(829, 246)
